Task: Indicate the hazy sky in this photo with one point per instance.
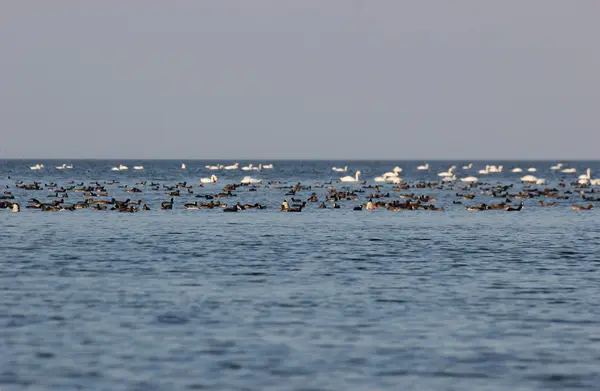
(300, 79)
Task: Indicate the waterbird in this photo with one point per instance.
(336, 169)
(212, 179)
(249, 180)
(579, 207)
(511, 209)
(351, 178)
(448, 173)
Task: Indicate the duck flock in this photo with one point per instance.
(462, 188)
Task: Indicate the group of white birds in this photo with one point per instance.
(247, 180)
(387, 177)
(61, 167)
(236, 166)
(449, 175)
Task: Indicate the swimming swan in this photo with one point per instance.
(212, 179)
(217, 167)
(248, 180)
(587, 178)
(351, 178)
(448, 173)
(120, 168)
(533, 179)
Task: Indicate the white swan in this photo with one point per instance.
(120, 168)
(212, 179)
(469, 179)
(61, 167)
(486, 171)
(495, 169)
(449, 178)
(388, 179)
(424, 167)
(336, 169)
(556, 167)
(448, 173)
(587, 178)
(69, 166)
(569, 170)
(268, 166)
(468, 167)
(351, 178)
(529, 179)
(517, 169)
(259, 168)
(183, 166)
(37, 167)
(216, 167)
(248, 167)
(532, 169)
(138, 167)
(232, 167)
(248, 180)
(393, 173)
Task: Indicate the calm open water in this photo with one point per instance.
(318, 300)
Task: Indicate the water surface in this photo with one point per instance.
(319, 300)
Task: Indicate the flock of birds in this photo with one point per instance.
(389, 191)
(450, 175)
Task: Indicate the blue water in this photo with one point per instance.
(319, 300)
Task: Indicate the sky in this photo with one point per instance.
(314, 79)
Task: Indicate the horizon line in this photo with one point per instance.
(306, 159)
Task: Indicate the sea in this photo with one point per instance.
(325, 299)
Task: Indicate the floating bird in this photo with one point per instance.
(351, 178)
(212, 179)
